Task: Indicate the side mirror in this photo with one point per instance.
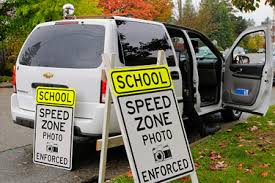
(241, 59)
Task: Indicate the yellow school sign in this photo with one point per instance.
(140, 79)
(55, 96)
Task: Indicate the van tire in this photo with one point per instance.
(231, 115)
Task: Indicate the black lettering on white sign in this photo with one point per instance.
(53, 136)
(154, 129)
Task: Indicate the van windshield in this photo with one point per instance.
(64, 46)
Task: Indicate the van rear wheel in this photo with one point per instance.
(231, 115)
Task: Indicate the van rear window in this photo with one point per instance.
(64, 46)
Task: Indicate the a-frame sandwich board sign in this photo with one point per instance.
(150, 122)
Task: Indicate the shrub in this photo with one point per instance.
(5, 79)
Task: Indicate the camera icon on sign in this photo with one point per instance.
(162, 153)
(52, 148)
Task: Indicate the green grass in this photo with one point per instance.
(249, 155)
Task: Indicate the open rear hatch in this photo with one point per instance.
(62, 55)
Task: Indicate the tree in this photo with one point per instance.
(250, 5)
(162, 9)
(188, 14)
(135, 8)
(18, 18)
(38, 11)
(215, 18)
(221, 16)
(87, 8)
(267, 21)
(239, 24)
(205, 19)
(201, 19)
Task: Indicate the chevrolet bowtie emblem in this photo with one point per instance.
(48, 75)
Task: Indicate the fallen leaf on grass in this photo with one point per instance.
(260, 144)
(245, 141)
(197, 165)
(240, 145)
(253, 128)
(240, 166)
(222, 145)
(249, 171)
(185, 179)
(264, 174)
(215, 156)
(238, 181)
(249, 152)
(220, 165)
(238, 135)
(129, 174)
(267, 141)
(264, 166)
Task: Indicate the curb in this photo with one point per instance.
(5, 85)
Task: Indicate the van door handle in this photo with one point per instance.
(175, 75)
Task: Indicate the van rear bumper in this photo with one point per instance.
(82, 126)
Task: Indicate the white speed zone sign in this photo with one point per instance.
(156, 136)
(53, 137)
(151, 124)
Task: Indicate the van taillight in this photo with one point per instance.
(103, 91)
(14, 78)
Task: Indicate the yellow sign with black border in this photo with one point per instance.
(55, 96)
(141, 79)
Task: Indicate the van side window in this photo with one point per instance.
(139, 43)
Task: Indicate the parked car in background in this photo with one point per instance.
(261, 50)
(239, 51)
(204, 52)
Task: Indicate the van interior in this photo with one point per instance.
(209, 69)
(209, 63)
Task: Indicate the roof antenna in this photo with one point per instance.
(68, 11)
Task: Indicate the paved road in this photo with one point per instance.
(16, 154)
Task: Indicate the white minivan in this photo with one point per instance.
(67, 53)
